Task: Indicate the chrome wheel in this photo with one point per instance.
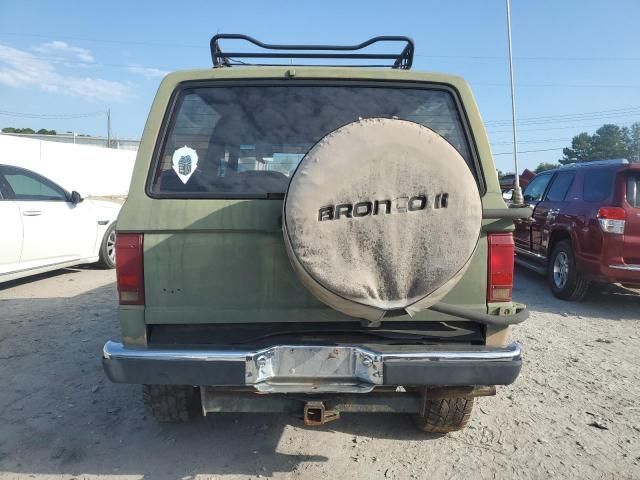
(111, 246)
(561, 270)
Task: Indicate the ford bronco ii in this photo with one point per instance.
(316, 240)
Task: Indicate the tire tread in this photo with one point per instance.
(445, 415)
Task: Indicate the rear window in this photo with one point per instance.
(633, 190)
(597, 185)
(246, 141)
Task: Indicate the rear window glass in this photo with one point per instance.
(633, 190)
(246, 141)
(560, 186)
(597, 185)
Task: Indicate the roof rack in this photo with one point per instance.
(591, 163)
(401, 61)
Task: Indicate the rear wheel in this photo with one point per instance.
(108, 248)
(563, 276)
(171, 403)
(444, 415)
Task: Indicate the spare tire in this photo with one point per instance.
(381, 215)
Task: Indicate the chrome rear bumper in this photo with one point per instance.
(315, 368)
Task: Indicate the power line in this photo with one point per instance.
(563, 118)
(546, 140)
(100, 40)
(71, 61)
(535, 58)
(593, 112)
(182, 45)
(554, 85)
(52, 116)
(566, 127)
(530, 151)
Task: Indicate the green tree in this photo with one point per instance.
(610, 141)
(17, 130)
(543, 166)
(634, 142)
(42, 131)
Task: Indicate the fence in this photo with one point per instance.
(91, 170)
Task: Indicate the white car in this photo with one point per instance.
(43, 227)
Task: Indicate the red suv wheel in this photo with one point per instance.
(565, 280)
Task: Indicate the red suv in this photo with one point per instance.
(585, 226)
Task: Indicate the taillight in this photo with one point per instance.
(500, 267)
(129, 272)
(612, 219)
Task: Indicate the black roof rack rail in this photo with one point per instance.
(401, 61)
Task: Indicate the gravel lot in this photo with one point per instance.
(573, 413)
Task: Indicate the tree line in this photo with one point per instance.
(608, 142)
(42, 131)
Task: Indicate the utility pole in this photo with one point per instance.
(517, 190)
(108, 128)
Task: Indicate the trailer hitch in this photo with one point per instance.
(315, 413)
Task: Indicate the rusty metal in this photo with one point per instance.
(315, 414)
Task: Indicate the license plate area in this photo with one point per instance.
(311, 369)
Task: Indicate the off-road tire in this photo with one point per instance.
(106, 261)
(444, 415)
(171, 403)
(576, 286)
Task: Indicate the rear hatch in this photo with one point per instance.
(213, 246)
(631, 249)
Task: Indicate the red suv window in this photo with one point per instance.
(633, 190)
(560, 186)
(597, 185)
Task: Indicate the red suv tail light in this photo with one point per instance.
(612, 219)
(500, 267)
(129, 272)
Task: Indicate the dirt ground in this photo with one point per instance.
(573, 413)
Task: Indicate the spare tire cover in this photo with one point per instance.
(381, 215)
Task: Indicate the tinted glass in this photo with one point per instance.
(597, 185)
(535, 190)
(633, 190)
(26, 186)
(560, 186)
(247, 141)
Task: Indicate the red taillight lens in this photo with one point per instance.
(129, 272)
(612, 219)
(500, 267)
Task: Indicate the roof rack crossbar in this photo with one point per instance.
(401, 61)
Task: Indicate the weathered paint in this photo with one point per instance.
(134, 330)
(224, 260)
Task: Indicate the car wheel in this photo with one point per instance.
(108, 248)
(171, 403)
(564, 279)
(444, 415)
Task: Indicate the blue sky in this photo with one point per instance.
(571, 57)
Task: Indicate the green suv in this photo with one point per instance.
(315, 240)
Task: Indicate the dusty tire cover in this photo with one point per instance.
(353, 255)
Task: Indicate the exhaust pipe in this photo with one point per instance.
(315, 413)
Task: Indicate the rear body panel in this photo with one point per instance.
(223, 261)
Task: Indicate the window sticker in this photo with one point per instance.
(185, 161)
